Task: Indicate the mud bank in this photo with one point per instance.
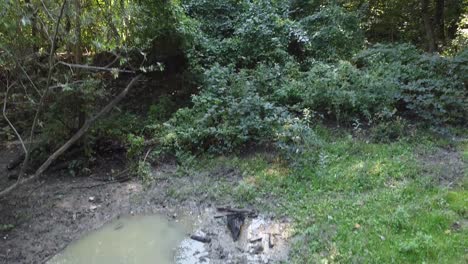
(41, 219)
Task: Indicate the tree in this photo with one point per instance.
(430, 37)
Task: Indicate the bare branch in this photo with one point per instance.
(8, 120)
(117, 57)
(94, 68)
(44, 29)
(73, 139)
(62, 85)
(47, 10)
(27, 76)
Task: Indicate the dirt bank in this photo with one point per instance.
(40, 219)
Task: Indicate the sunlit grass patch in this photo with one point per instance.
(358, 201)
(365, 203)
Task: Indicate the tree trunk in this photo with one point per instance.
(77, 49)
(440, 20)
(431, 44)
(68, 31)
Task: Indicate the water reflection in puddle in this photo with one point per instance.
(132, 239)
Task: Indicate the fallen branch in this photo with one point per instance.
(201, 239)
(236, 211)
(94, 68)
(73, 139)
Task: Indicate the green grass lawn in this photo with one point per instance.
(364, 202)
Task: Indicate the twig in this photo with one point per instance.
(64, 85)
(224, 215)
(8, 120)
(147, 153)
(94, 68)
(44, 28)
(234, 211)
(117, 57)
(47, 10)
(27, 76)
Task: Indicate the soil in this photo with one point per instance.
(40, 219)
(445, 166)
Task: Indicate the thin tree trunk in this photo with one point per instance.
(78, 59)
(431, 44)
(68, 30)
(43, 96)
(78, 50)
(440, 20)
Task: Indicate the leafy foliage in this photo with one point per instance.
(430, 86)
(266, 69)
(333, 33)
(228, 114)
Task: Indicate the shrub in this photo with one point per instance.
(226, 114)
(389, 131)
(338, 90)
(431, 88)
(242, 33)
(162, 110)
(229, 114)
(333, 33)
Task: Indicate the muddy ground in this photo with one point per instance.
(40, 219)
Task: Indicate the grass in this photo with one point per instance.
(361, 202)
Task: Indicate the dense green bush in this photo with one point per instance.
(225, 115)
(266, 66)
(430, 87)
(242, 33)
(333, 33)
(339, 91)
(265, 104)
(228, 114)
(219, 17)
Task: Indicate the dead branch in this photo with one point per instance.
(235, 210)
(73, 139)
(201, 239)
(94, 68)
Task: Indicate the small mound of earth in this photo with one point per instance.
(261, 240)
